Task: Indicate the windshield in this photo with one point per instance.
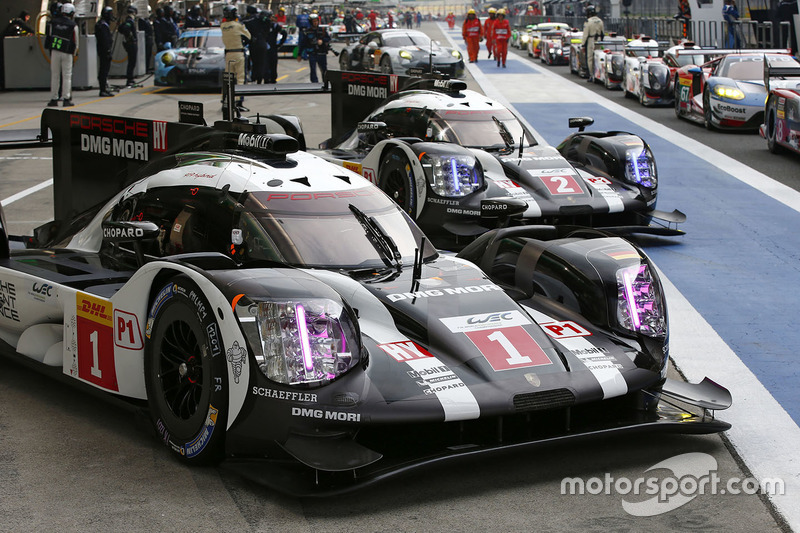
(685, 60)
(407, 39)
(207, 40)
(477, 129)
(321, 230)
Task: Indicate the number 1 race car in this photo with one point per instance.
(284, 315)
(439, 150)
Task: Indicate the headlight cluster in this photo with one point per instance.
(453, 176)
(405, 54)
(640, 304)
(640, 167)
(456, 54)
(304, 341)
(168, 58)
(724, 91)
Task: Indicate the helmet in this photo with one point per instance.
(471, 12)
(252, 10)
(492, 10)
(501, 11)
(281, 9)
(313, 16)
(107, 14)
(267, 13)
(132, 9)
(195, 10)
(68, 10)
(55, 8)
(591, 10)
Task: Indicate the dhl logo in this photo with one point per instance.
(94, 309)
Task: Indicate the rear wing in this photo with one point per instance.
(779, 71)
(726, 51)
(97, 156)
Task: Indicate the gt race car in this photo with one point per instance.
(197, 60)
(609, 60)
(397, 51)
(727, 92)
(781, 126)
(439, 150)
(651, 79)
(284, 316)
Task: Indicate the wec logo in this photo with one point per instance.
(501, 319)
(493, 318)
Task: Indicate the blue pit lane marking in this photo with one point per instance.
(739, 264)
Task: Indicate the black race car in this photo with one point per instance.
(439, 150)
(284, 316)
(398, 51)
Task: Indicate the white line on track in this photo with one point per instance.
(763, 433)
(27, 192)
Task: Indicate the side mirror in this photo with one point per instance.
(694, 71)
(130, 231)
(502, 209)
(580, 122)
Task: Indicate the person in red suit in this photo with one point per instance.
(502, 33)
(373, 20)
(487, 30)
(451, 20)
(280, 18)
(473, 35)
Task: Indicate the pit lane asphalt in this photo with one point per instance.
(69, 462)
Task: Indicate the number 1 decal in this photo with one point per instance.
(95, 336)
(507, 348)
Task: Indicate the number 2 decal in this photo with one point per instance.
(561, 184)
(95, 338)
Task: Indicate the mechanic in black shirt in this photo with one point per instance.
(19, 26)
(104, 40)
(274, 29)
(314, 44)
(147, 27)
(195, 19)
(129, 30)
(257, 27)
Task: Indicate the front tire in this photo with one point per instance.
(396, 178)
(386, 65)
(707, 111)
(185, 375)
(344, 61)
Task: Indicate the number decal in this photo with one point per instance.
(507, 348)
(126, 331)
(564, 330)
(561, 184)
(95, 338)
(684, 93)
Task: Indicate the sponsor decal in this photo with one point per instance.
(302, 196)
(125, 148)
(355, 167)
(162, 431)
(443, 201)
(394, 297)
(405, 351)
(536, 172)
(8, 301)
(465, 212)
(41, 291)
(598, 180)
(197, 300)
(284, 395)
(502, 319)
(724, 108)
(324, 414)
(126, 331)
(236, 355)
(199, 175)
(621, 255)
(199, 443)
(115, 125)
(369, 173)
(165, 294)
(565, 329)
(367, 91)
(159, 136)
(95, 332)
(122, 233)
(250, 140)
(533, 379)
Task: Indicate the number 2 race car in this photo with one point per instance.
(439, 150)
(285, 316)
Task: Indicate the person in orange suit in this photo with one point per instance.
(487, 30)
(451, 20)
(502, 33)
(473, 35)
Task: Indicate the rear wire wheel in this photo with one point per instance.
(185, 373)
(396, 178)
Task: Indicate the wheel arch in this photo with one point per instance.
(407, 146)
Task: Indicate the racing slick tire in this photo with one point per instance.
(707, 111)
(396, 178)
(677, 100)
(185, 373)
(572, 66)
(386, 65)
(642, 99)
(344, 61)
(771, 125)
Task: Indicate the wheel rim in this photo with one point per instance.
(396, 188)
(386, 68)
(707, 111)
(343, 62)
(181, 372)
